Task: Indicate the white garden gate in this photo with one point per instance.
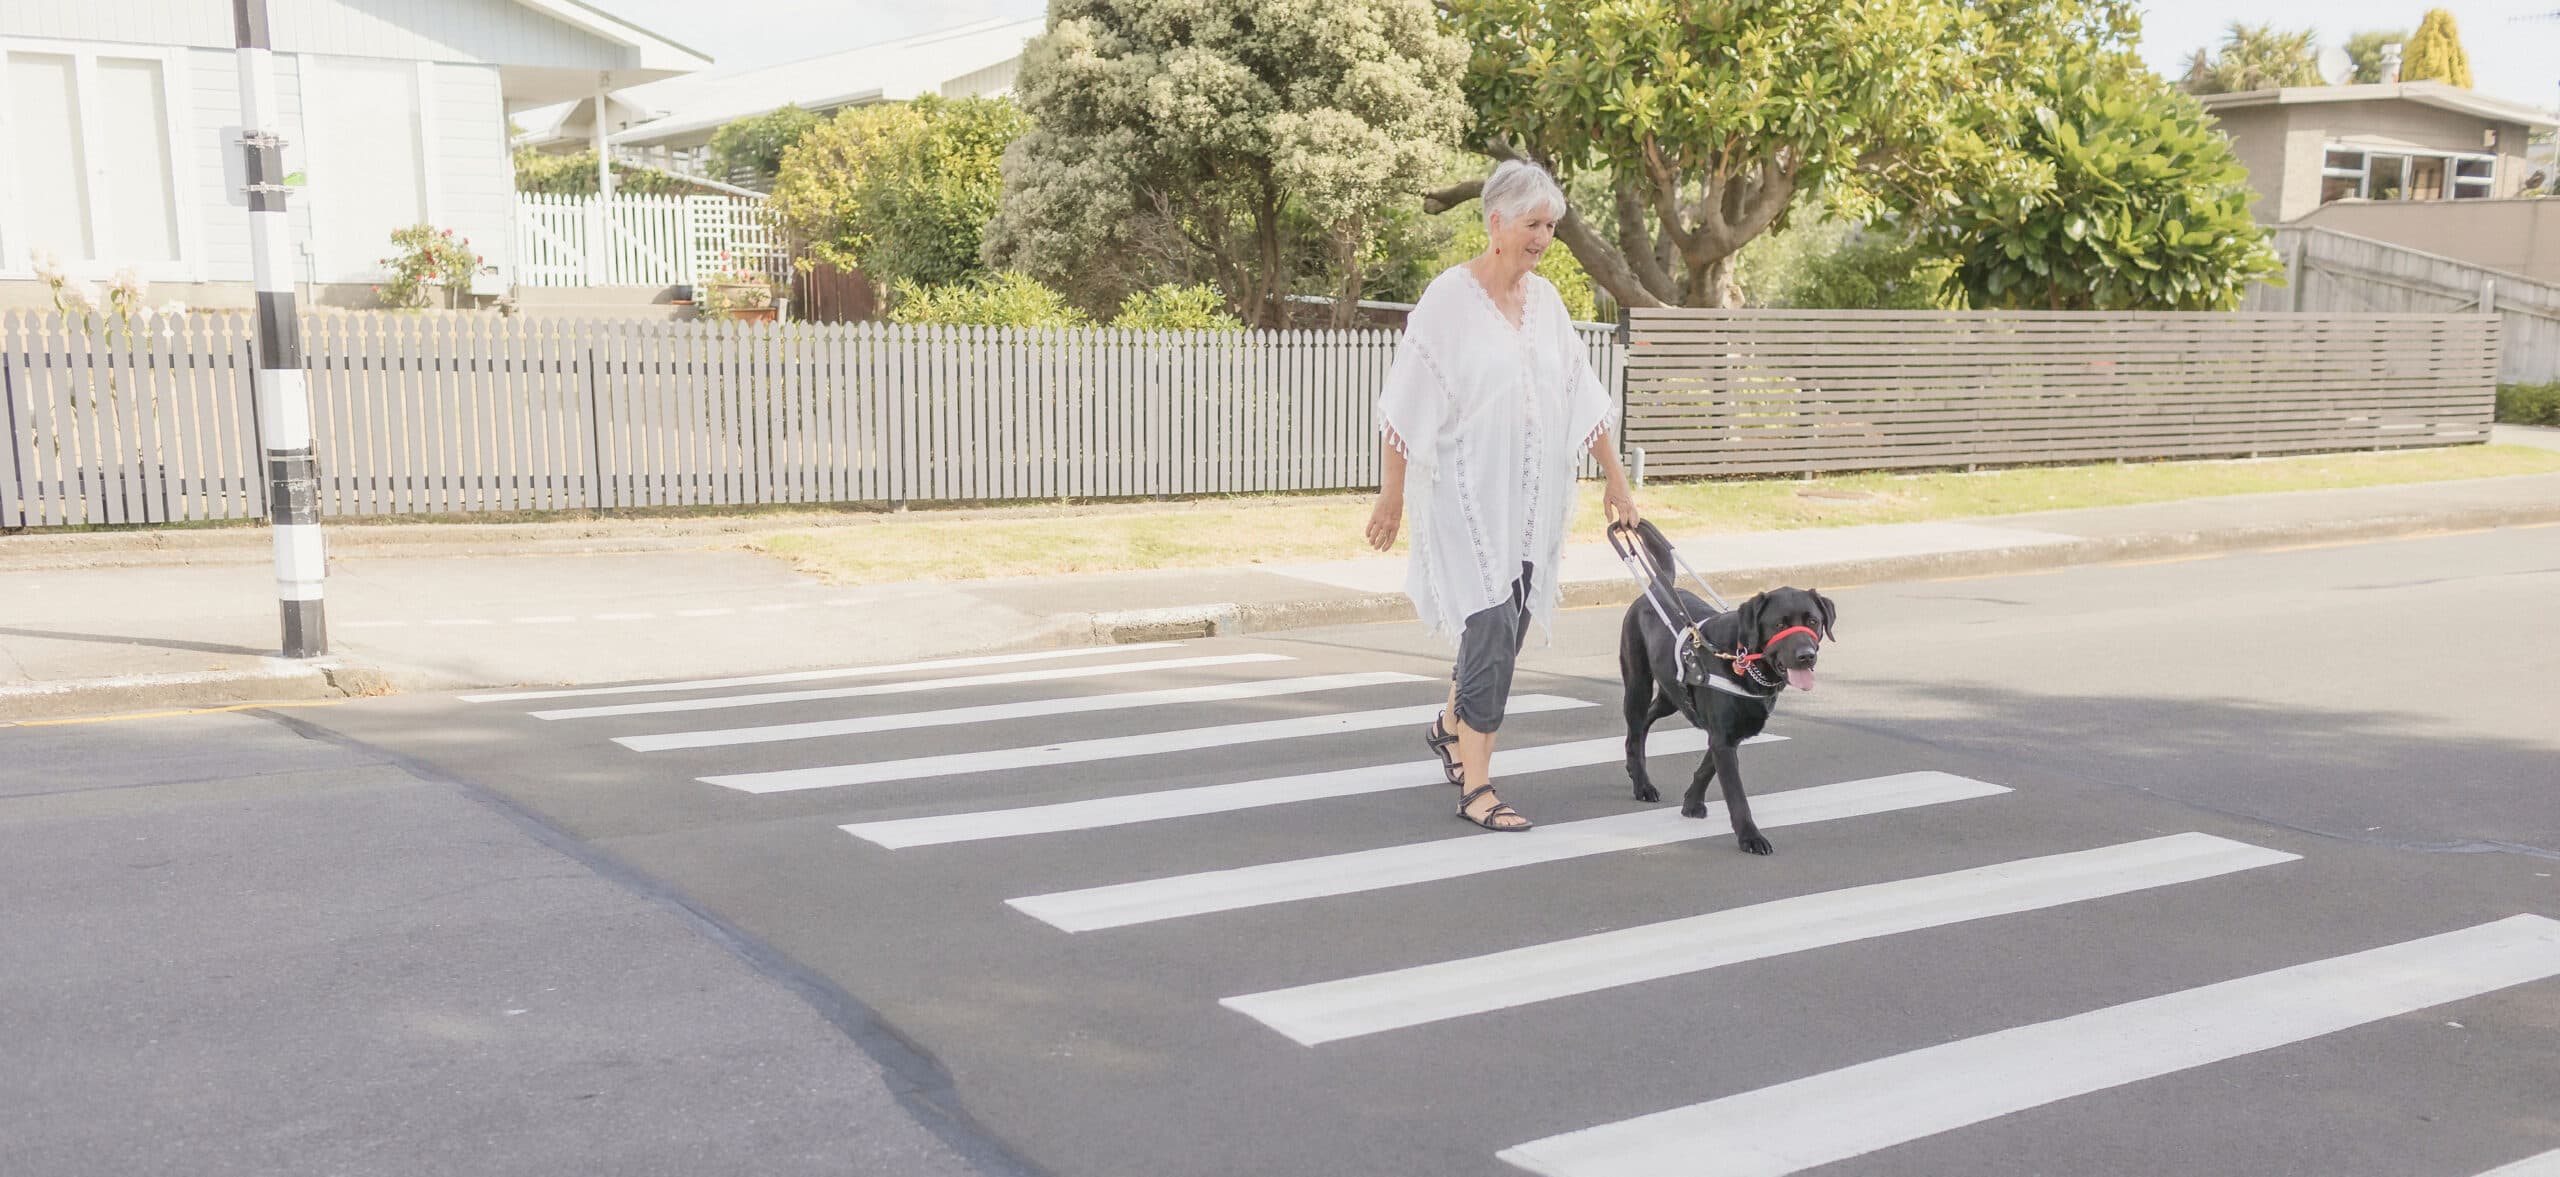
(642, 240)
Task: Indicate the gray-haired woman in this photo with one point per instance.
(1488, 404)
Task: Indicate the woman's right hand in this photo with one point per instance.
(1384, 519)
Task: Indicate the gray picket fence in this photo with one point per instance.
(154, 421)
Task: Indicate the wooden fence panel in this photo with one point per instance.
(2330, 272)
(1759, 392)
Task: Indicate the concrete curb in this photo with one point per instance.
(277, 682)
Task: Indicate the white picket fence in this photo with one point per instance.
(428, 414)
(642, 240)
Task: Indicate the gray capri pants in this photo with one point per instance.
(1488, 649)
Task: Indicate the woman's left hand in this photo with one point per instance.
(1619, 501)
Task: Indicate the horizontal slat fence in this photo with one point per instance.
(1732, 392)
(429, 414)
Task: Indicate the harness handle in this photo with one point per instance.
(1639, 561)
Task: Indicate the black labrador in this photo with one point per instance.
(1724, 674)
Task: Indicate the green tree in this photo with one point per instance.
(755, 144)
(2256, 57)
(2147, 208)
(2365, 50)
(2434, 52)
(1229, 131)
(1709, 120)
(901, 191)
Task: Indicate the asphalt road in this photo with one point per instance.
(2188, 868)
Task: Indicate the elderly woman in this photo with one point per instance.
(1488, 404)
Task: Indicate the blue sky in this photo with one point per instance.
(2513, 59)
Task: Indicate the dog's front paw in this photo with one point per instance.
(1753, 843)
(1693, 809)
(1645, 792)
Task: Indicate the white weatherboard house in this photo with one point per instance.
(119, 125)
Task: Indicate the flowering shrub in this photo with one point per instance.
(429, 257)
(728, 290)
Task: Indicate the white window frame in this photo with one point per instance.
(2454, 180)
(185, 177)
(430, 174)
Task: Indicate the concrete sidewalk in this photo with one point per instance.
(123, 635)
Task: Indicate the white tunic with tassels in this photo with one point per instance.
(1491, 420)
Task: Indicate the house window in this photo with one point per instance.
(2348, 171)
(2475, 178)
(88, 140)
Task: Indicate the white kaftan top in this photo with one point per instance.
(1491, 420)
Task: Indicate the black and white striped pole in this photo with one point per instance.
(284, 402)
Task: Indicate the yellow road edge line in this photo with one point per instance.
(172, 714)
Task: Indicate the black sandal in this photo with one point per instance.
(1492, 815)
(1441, 741)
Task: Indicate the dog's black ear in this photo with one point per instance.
(1830, 612)
(1749, 616)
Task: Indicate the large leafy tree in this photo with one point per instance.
(901, 191)
(1708, 120)
(2142, 205)
(1240, 136)
(2434, 52)
(2256, 57)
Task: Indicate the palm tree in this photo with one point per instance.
(2256, 57)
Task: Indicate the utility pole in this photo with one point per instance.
(284, 401)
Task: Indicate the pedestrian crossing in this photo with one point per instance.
(1201, 711)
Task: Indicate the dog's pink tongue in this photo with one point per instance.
(1801, 680)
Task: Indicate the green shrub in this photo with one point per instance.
(2529, 404)
(430, 261)
(1008, 298)
(1826, 264)
(1177, 308)
(757, 142)
(575, 175)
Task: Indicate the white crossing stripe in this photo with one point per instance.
(1107, 748)
(989, 713)
(1347, 1008)
(2539, 1165)
(1394, 866)
(758, 680)
(1132, 808)
(951, 683)
(1856, 1110)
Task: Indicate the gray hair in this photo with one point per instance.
(1518, 188)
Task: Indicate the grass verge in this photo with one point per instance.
(1288, 529)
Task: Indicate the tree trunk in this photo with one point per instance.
(1605, 265)
(1346, 292)
(1712, 285)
